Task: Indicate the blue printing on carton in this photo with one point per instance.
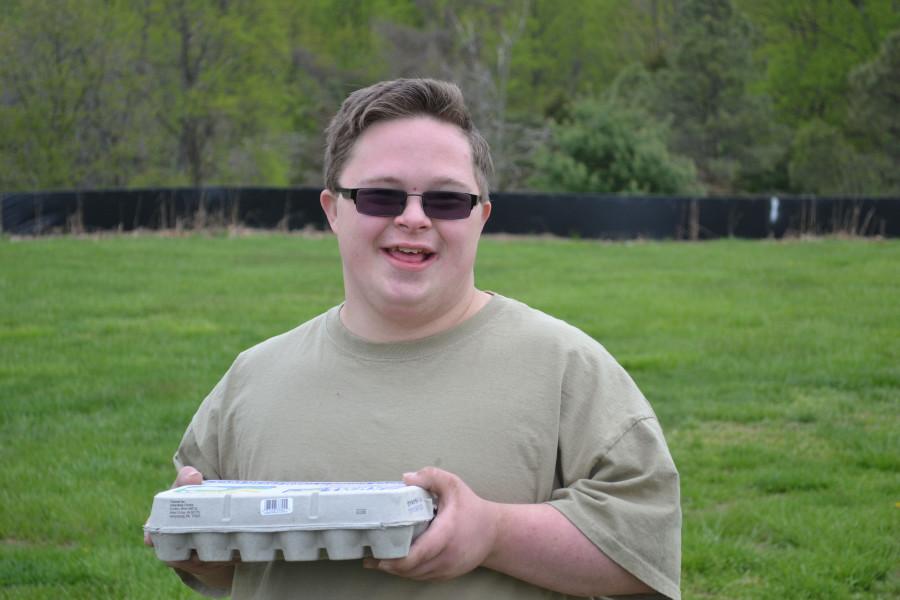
(297, 486)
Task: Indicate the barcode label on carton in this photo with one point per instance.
(276, 506)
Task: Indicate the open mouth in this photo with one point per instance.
(409, 255)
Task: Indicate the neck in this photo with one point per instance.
(405, 324)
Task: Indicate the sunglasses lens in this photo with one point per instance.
(377, 202)
(447, 205)
(384, 202)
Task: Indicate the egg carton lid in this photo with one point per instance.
(270, 506)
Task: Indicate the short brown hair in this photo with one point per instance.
(398, 99)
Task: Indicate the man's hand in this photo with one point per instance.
(541, 547)
(213, 574)
(186, 476)
(460, 537)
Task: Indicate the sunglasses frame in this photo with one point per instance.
(352, 193)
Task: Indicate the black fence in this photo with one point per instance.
(577, 215)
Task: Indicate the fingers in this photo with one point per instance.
(188, 476)
(414, 479)
(195, 565)
(428, 546)
(432, 479)
(425, 555)
(423, 572)
(422, 550)
(432, 562)
(459, 538)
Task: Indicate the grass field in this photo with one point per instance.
(773, 366)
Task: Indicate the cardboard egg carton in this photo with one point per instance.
(293, 521)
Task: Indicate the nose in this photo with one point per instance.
(413, 215)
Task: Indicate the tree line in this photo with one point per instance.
(641, 96)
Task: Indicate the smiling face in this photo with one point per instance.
(407, 271)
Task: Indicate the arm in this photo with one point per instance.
(532, 542)
(537, 544)
(214, 576)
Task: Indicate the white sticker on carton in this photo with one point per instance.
(180, 509)
(276, 506)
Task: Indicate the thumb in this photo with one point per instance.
(188, 476)
(436, 481)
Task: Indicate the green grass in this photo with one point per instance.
(774, 368)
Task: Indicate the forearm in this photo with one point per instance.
(537, 544)
(531, 542)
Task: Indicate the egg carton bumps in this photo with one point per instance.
(294, 521)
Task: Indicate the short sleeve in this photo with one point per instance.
(199, 447)
(628, 505)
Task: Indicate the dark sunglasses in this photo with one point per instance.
(385, 202)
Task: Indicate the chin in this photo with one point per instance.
(417, 298)
(407, 300)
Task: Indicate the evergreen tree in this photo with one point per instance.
(100, 93)
(875, 117)
(809, 47)
(824, 162)
(606, 148)
(705, 89)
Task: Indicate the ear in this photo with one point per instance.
(485, 212)
(329, 201)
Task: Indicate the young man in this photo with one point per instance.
(550, 469)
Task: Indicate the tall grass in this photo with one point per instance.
(774, 368)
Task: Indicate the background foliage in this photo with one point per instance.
(127, 93)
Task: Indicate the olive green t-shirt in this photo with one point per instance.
(523, 407)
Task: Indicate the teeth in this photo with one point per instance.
(409, 250)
